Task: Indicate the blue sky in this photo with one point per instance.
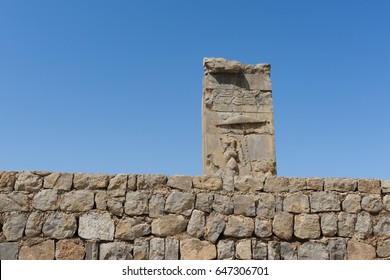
(116, 86)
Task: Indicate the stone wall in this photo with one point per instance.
(94, 216)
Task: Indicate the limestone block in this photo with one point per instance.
(171, 249)
(45, 200)
(7, 181)
(372, 203)
(40, 251)
(360, 251)
(59, 225)
(207, 182)
(169, 225)
(296, 203)
(276, 184)
(340, 184)
(131, 182)
(244, 249)
(363, 226)
(101, 200)
(13, 202)
(329, 224)
(346, 224)
(273, 250)
(117, 186)
(382, 228)
(77, 201)
(204, 202)
(351, 203)
(90, 181)
(28, 182)
(115, 251)
(130, 229)
(196, 225)
(225, 249)
(14, 226)
(383, 248)
(297, 184)
(369, 186)
(156, 206)
(239, 226)
(324, 202)
(58, 181)
(385, 186)
(68, 249)
(96, 225)
(183, 183)
(91, 250)
(313, 251)
(180, 203)
(141, 249)
(263, 227)
(337, 248)
(283, 225)
(157, 249)
(259, 250)
(194, 249)
(34, 224)
(214, 227)
(315, 184)
(244, 205)
(9, 251)
(386, 202)
(307, 226)
(115, 207)
(136, 203)
(248, 183)
(266, 205)
(151, 181)
(287, 251)
(222, 204)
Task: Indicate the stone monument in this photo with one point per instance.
(237, 119)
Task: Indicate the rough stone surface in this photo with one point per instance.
(382, 228)
(96, 225)
(274, 250)
(169, 225)
(276, 184)
(183, 183)
(148, 181)
(180, 203)
(307, 226)
(369, 186)
(266, 205)
(324, 202)
(346, 224)
(283, 225)
(59, 225)
(141, 249)
(194, 249)
(297, 184)
(14, 226)
(287, 251)
(360, 251)
(196, 225)
(34, 224)
(244, 205)
(77, 201)
(222, 204)
(247, 183)
(115, 251)
(263, 227)
(214, 227)
(351, 203)
(130, 229)
(386, 202)
(329, 224)
(9, 251)
(136, 203)
(340, 184)
(385, 186)
(115, 207)
(296, 203)
(313, 251)
(238, 226)
(117, 186)
(171, 249)
(28, 182)
(90, 181)
(46, 200)
(225, 249)
(204, 202)
(101, 200)
(363, 226)
(40, 251)
(259, 250)
(207, 182)
(383, 249)
(91, 250)
(315, 184)
(13, 202)
(58, 181)
(156, 206)
(7, 181)
(69, 250)
(244, 249)
(131, 182)
(337, 249)
(157, 249)
(372, 203)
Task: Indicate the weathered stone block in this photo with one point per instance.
(14, 226)
(274, 250)
(7, 181)
(96, 225)
(194, 249)
(315, 184)
(29, 182)
(169, 225)
(101, 200)
(157, 249)
(115, 207)
(244, 205)
(115, 251)
(259, 250)
(238, 226)
(297, 184)
(346, 224)
(13, 202)
(337, 249)
(307, 226)
(276, 184)
(69, 250)
(9, 251)
(385, 186)
(91, 250)
(351, 203)
(180, 203)
(137, 203)
(77, 201)
(148, 181)
(324, 202)
(266, 205)
(183, 183)
(248, 183)
(58, 181)
(296, 203)
(141, 249)
(369, 186)
(207, 182)
(156, 206)
(382, 228)
(329, 224)
(40, 251)
(222, 204)
(263, 227)
(244, 249)
(117, 186)
(386, 202)
(225, 249)
(131, 182)
(214, 227)
(130, 229)
(340, 184)
(46, 200)
(313, 251)
(383, 248)
(59, 225)
(287, 251)
(196, 225)
(204, 202)
(372, 203)
(34, 224)
(360, 251)
(363, 226)
(283, 225)
(90, 181)
(171, 249)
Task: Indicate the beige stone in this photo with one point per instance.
(315, 184)
(40, 251)
(77, 201)
(183, 183)
(207, 182)
(180, 203)
(90, 181)
(117, 186)
(266, 205)
(283, 225)
(130, 229)
(276, 184)
(324, 202)
(46, 200)
(69, 249)
(7, 181)
(58, 181)
(360, 251)
(169, 225)
(244, 249)
(151, 181)
(248, 183)
(96, 225)
(370, 186)
(13, 228)
(239, 226)
(296, 203)
(351, 203)
(372, 203)
(14, 201)
(194, 249)
(244, 205)
(307, 226)
(196, 225)
(28, 181)
(340, 184)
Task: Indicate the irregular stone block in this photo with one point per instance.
(69, 250)
(196, 225)
(248, 183)
(40, 251)
(315, 184)
(115, 251)
(383, 248)
(130, 229)
(14, 226)
(46, 200)
(238, 226)
(180, 203)
(297, 184)
(225, 249)
(287, 251)
(34, 224)
(369, 186)
(337, 249)
(169, 225)
(313, 251)
(382, 228)
(372, 203)
(207, 182)
(117, 186)
(115, 207)
(77, 201)
(141, 249)
(307, 226)
(273, 250)
(58, 181)
(204, 202)
(183, 183)
(157, 249)
(59, 225)
(148, 181)
(244, 249)
(90, 181)
(171, 249)
(28, 182)
(13, 202)
(360, 251)
(324, 202)
(101, 200)
(9, 251)
(351, 203)
(340, 184)
(263, 227)
(131, 182)
(91, 250)
(259, 250)
(156, 206)
(329, 224)
(385, 186)
(283, 225)
(214, 227)
(194, 249)
(244, 205)
(137, 203)
(7, 181)
(222, 204)
(276, 184)
(346, 224)
(296, 203)
(386, 202)
(96, 225)
(266, 205)
(279, 203)
(363, 226)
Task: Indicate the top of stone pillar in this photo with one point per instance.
(221, 65)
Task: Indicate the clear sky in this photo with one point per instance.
(116, 86)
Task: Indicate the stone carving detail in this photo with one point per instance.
(238, 127)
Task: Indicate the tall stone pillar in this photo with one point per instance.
(237, 119)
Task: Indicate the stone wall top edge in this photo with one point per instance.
(221, 65)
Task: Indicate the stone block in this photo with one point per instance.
(283, 225)
(287, 251)
(248, 183)
(351, 203)
(363, 227)
(307, 226)
(101, 200)
(7, 181)
(183, 183)
(180, 203)
(13, 228)
(115, 251)
(372, 203)
(77, 201)
(337, 249)
(329, 224)
(85, 181)
(244, 249)
(115, 207)
(197, 223)
(239, 226)
(313, 251)
(156, 206)
(324, 202)
(68, 249)
(194, 249)
(297, 184)
(315, 184)
(130, 229)
(296, 203)
(370, 186)
(9, 251)
(34, 224)
(141, 249)
(263, 227)
(151, 181)
(27, 181)
(346, 224)
(273, 250)
(225, 249)
(360, 251)
(157, 249)
(386, 202)
(137, 203)
(276, 184)
(58, 181)
(117, 186)
(340, 184)
(222, 204)
(207, 182)
(59, 225)
(259, 250)
(169, 225)
(13, 202)
(266, 205)
(96, 225)
(131, 182)
(383, 248)
(91, 250)
(46, 200)
(385, 186)
(214, 227)
(382, 228)
(40, 251)
(204, 202)
(244, 205)
(171, 249)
